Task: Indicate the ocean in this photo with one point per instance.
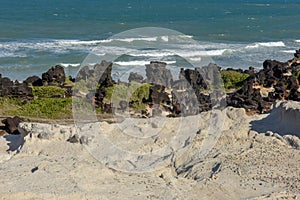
(38, 34)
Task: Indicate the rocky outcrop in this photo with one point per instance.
(11, 124)
(34, 81)
(14, 89)
(102, 74)
(158, 95)
(279, 79)
(158, 74)
(55, 75)
(191, 93)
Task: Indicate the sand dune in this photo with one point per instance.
(253, 157)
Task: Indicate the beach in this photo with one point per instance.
(245, 163)
(149, 100)
(187, 151)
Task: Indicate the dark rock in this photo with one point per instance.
(191, 78)
(34, 81)
(74, 139)
(158, 74)
(282, 76)
(135, 77)
(107, 108)
(69, 90)
(297, 54)
(15, 89)
(293, 86)
(84, 73)
(11, 124)
(102, 74)
(72, 79)
(158, 95)
(185, 103)
(5, 86)
(55, 75)
(34, 169)
(2, 133)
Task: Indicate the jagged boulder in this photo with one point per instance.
(55, 75)
(102, 73)
(158, 74)
(281, 79)
(15, 89)
(34, 81)
(84, 73)
(11, 124)
(158, 95)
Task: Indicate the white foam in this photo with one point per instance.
(62, 46)
(266, 44)
(297, 41)
(196, 59)
(272, 44)
(139, 63)
(79, 42)
(252, 46)
(70, 64)
(288, 51)
(183, 53)
(186, 36)
(149, 39)
(156, 54)
(165, 38)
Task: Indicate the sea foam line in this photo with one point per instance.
(266, 44)
(139, 63)
(70, 64)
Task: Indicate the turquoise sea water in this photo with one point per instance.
(37, 34)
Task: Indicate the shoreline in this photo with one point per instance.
(245, 158)
(50, 96)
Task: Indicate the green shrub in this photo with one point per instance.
(233, 79)
(7, 102)
(48, 92)
(50, 108)
(86, 85)
(134, 94)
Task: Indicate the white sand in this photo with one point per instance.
(243, 164)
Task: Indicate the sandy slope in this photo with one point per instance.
(245, 163)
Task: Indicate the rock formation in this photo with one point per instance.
(15, 89)
(158, 74)
(55, 75)
(276, 81)
(11, 124)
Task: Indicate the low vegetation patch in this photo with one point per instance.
(50, 108)
(233, 79)
(48, 92)
(135, 94)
